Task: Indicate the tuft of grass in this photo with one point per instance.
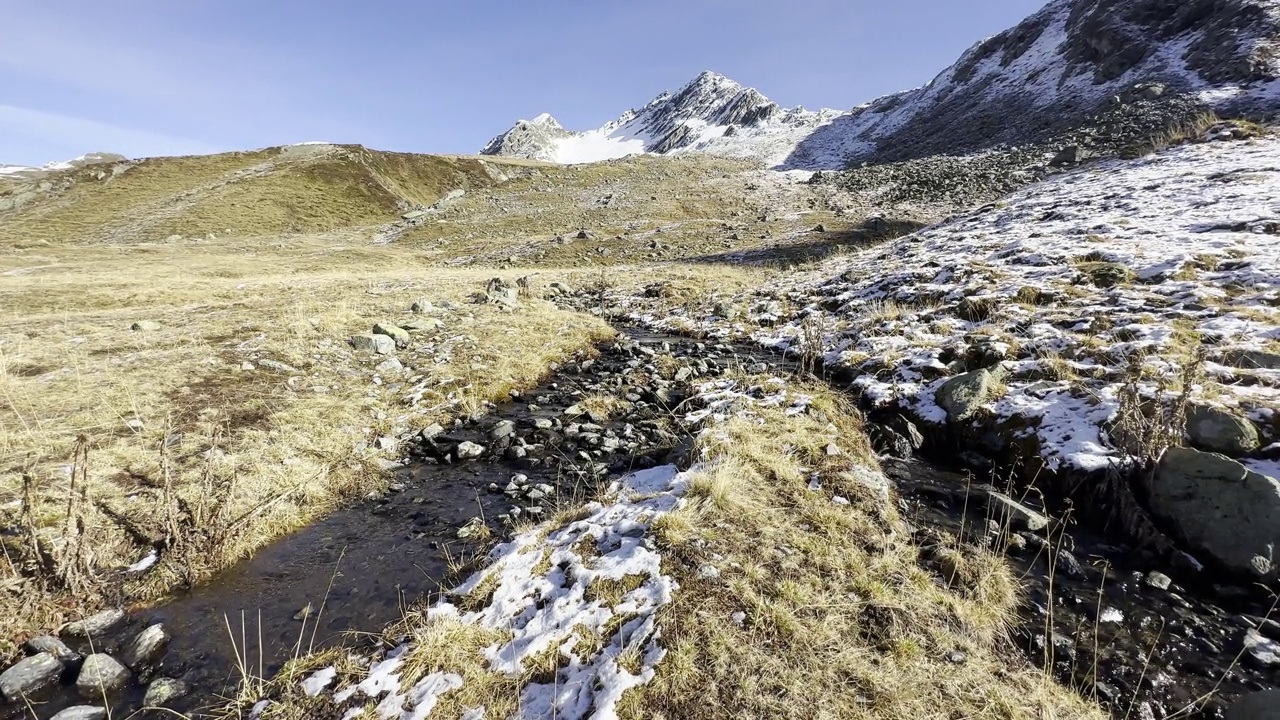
(837, 610)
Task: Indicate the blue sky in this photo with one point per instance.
(158, 77)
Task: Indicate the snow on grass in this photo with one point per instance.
(547, 596)
(1059, 284)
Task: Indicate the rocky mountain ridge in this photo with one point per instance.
(709, 114)
(1051, 74)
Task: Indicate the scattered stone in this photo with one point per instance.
(389, 365)
(468, 450)
(53, 646)
(395, 332)
(163, 691)
(100, 674)
(421, 305)
(708, 572)
(1221, 507)
(432, 431)
(81, 712)
(1158, 580)
(380, 344)
(500, 292)
(94, 625)
(957, 657)
(413, 215)
(277, 366)
(423, 325)
(145, 326)
(30, 676)
(963, 395)
(1017, 515)
(1216, 430)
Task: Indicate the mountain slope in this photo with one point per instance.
(1063, 65)
(297, 188)
(710, 114)
(1153, 62)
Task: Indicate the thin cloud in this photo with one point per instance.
(19, 125)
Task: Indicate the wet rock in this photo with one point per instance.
(1221, 507)
(468, 450)
(503, 429)
(398, 334)
(1216, 430)
(1263, 705)
(963, 395)
(94, 625)
(1158, 580)
(81, 712)
(30, 676)
(1260, 650)
(1013, 513)
(163, 691)
(147, 648)
(53, 646)
(100, 674)
(888, 441)
(380, 344)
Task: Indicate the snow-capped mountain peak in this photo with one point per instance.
(710, 113)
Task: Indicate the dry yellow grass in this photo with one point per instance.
(252, 453)
(301, 189)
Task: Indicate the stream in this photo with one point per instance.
(1094, 619)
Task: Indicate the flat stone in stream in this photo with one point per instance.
(94, 625)
(30, 676)
(1019, 516)
(163, 691)
(53, 646)
(82, 712)
(100, 674)
(147, 648)
(468, 450)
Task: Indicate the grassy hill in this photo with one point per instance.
(292, 189)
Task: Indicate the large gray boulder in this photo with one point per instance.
(30, 676)
(499, 292)
(963, 395)
(1263, 705)
(101, 674)
(380, 344)
(1220, 507)
(1217, 430)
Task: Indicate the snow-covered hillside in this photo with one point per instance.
(710, 114)
(1050, 74)
(23, 172)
